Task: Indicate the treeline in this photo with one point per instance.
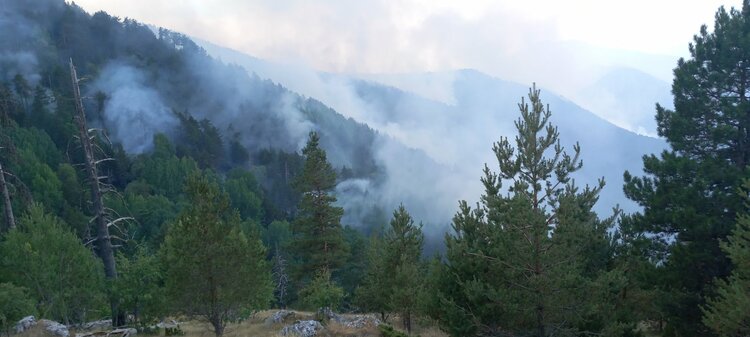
(213, 229)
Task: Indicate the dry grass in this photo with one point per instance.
(256, 327)
(35, 331)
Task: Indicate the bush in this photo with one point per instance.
(67, 277)
(322, 293)
(14, 305)
(388, 331)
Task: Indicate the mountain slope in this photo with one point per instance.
(627, 97)
(457, 131)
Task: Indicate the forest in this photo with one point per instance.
(198, 201)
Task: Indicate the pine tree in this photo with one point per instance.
(318, 236)
(373, 295)
(213, 269)
(63, 277)
(728, 314)
(688, 193)
(403, 248)
(393, 280)
(516, 264)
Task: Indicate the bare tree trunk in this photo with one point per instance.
(103, 241)
(9, 219)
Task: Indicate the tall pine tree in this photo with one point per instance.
(213, 269)
(393, 280)
(517, 264)
(318, 236)
(728, 314)
(688, 193)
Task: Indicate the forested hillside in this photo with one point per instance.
(143, 180)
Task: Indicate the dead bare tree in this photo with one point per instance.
(10, 220)
(102, 218)
(280, 277)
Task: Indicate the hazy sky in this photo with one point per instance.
(548, 41)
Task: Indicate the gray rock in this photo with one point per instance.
(25, 323)
(127, 332)
(55, 328)
(168, 324)
(104, 324)
(329, 315)
(360, 321)
(356, 321)
(279, 316)
(302, 329)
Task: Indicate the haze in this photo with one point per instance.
(508, 39)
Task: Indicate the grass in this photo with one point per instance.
(256, 326)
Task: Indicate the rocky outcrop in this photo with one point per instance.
(280, 316)
(25, 323)
(168, 324)
(52, 327)
(104, 324)
(360, 321)
(351, 321)
(302, 329)
(126, 332)
(55, 328)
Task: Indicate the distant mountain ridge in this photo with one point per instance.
(627, 97)
(458, 130)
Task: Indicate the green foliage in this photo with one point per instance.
(277, 234)
(318, 237)
(15, 304)
(522, 262)
(214, 270)
(201, 141)
(245, 194)
(394, 278)
(140, 287)
(351, 273)
(388, 331)
(41, 180)
(687, 193)
(163, 171)
(374, 292)
(728, 313)
(278, 170)
(321, 292)
(151, 214)
(63, 276)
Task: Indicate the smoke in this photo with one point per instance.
(133, 111)
(437, 133)
(17, 37)
(22, 63)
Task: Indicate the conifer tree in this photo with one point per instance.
(516, 263)
(688, 192)
(403, 244)
(728, 314)
(318, 236)
(394, 279)
(373, 295)
(213, 269)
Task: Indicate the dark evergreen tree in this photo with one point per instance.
(318, 236)
(403, 248)
(393, 280)
(688, 193)
(63, 277)
(516, 264)
(728, 313)
(213, 270)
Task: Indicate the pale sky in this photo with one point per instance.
(542, 40)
